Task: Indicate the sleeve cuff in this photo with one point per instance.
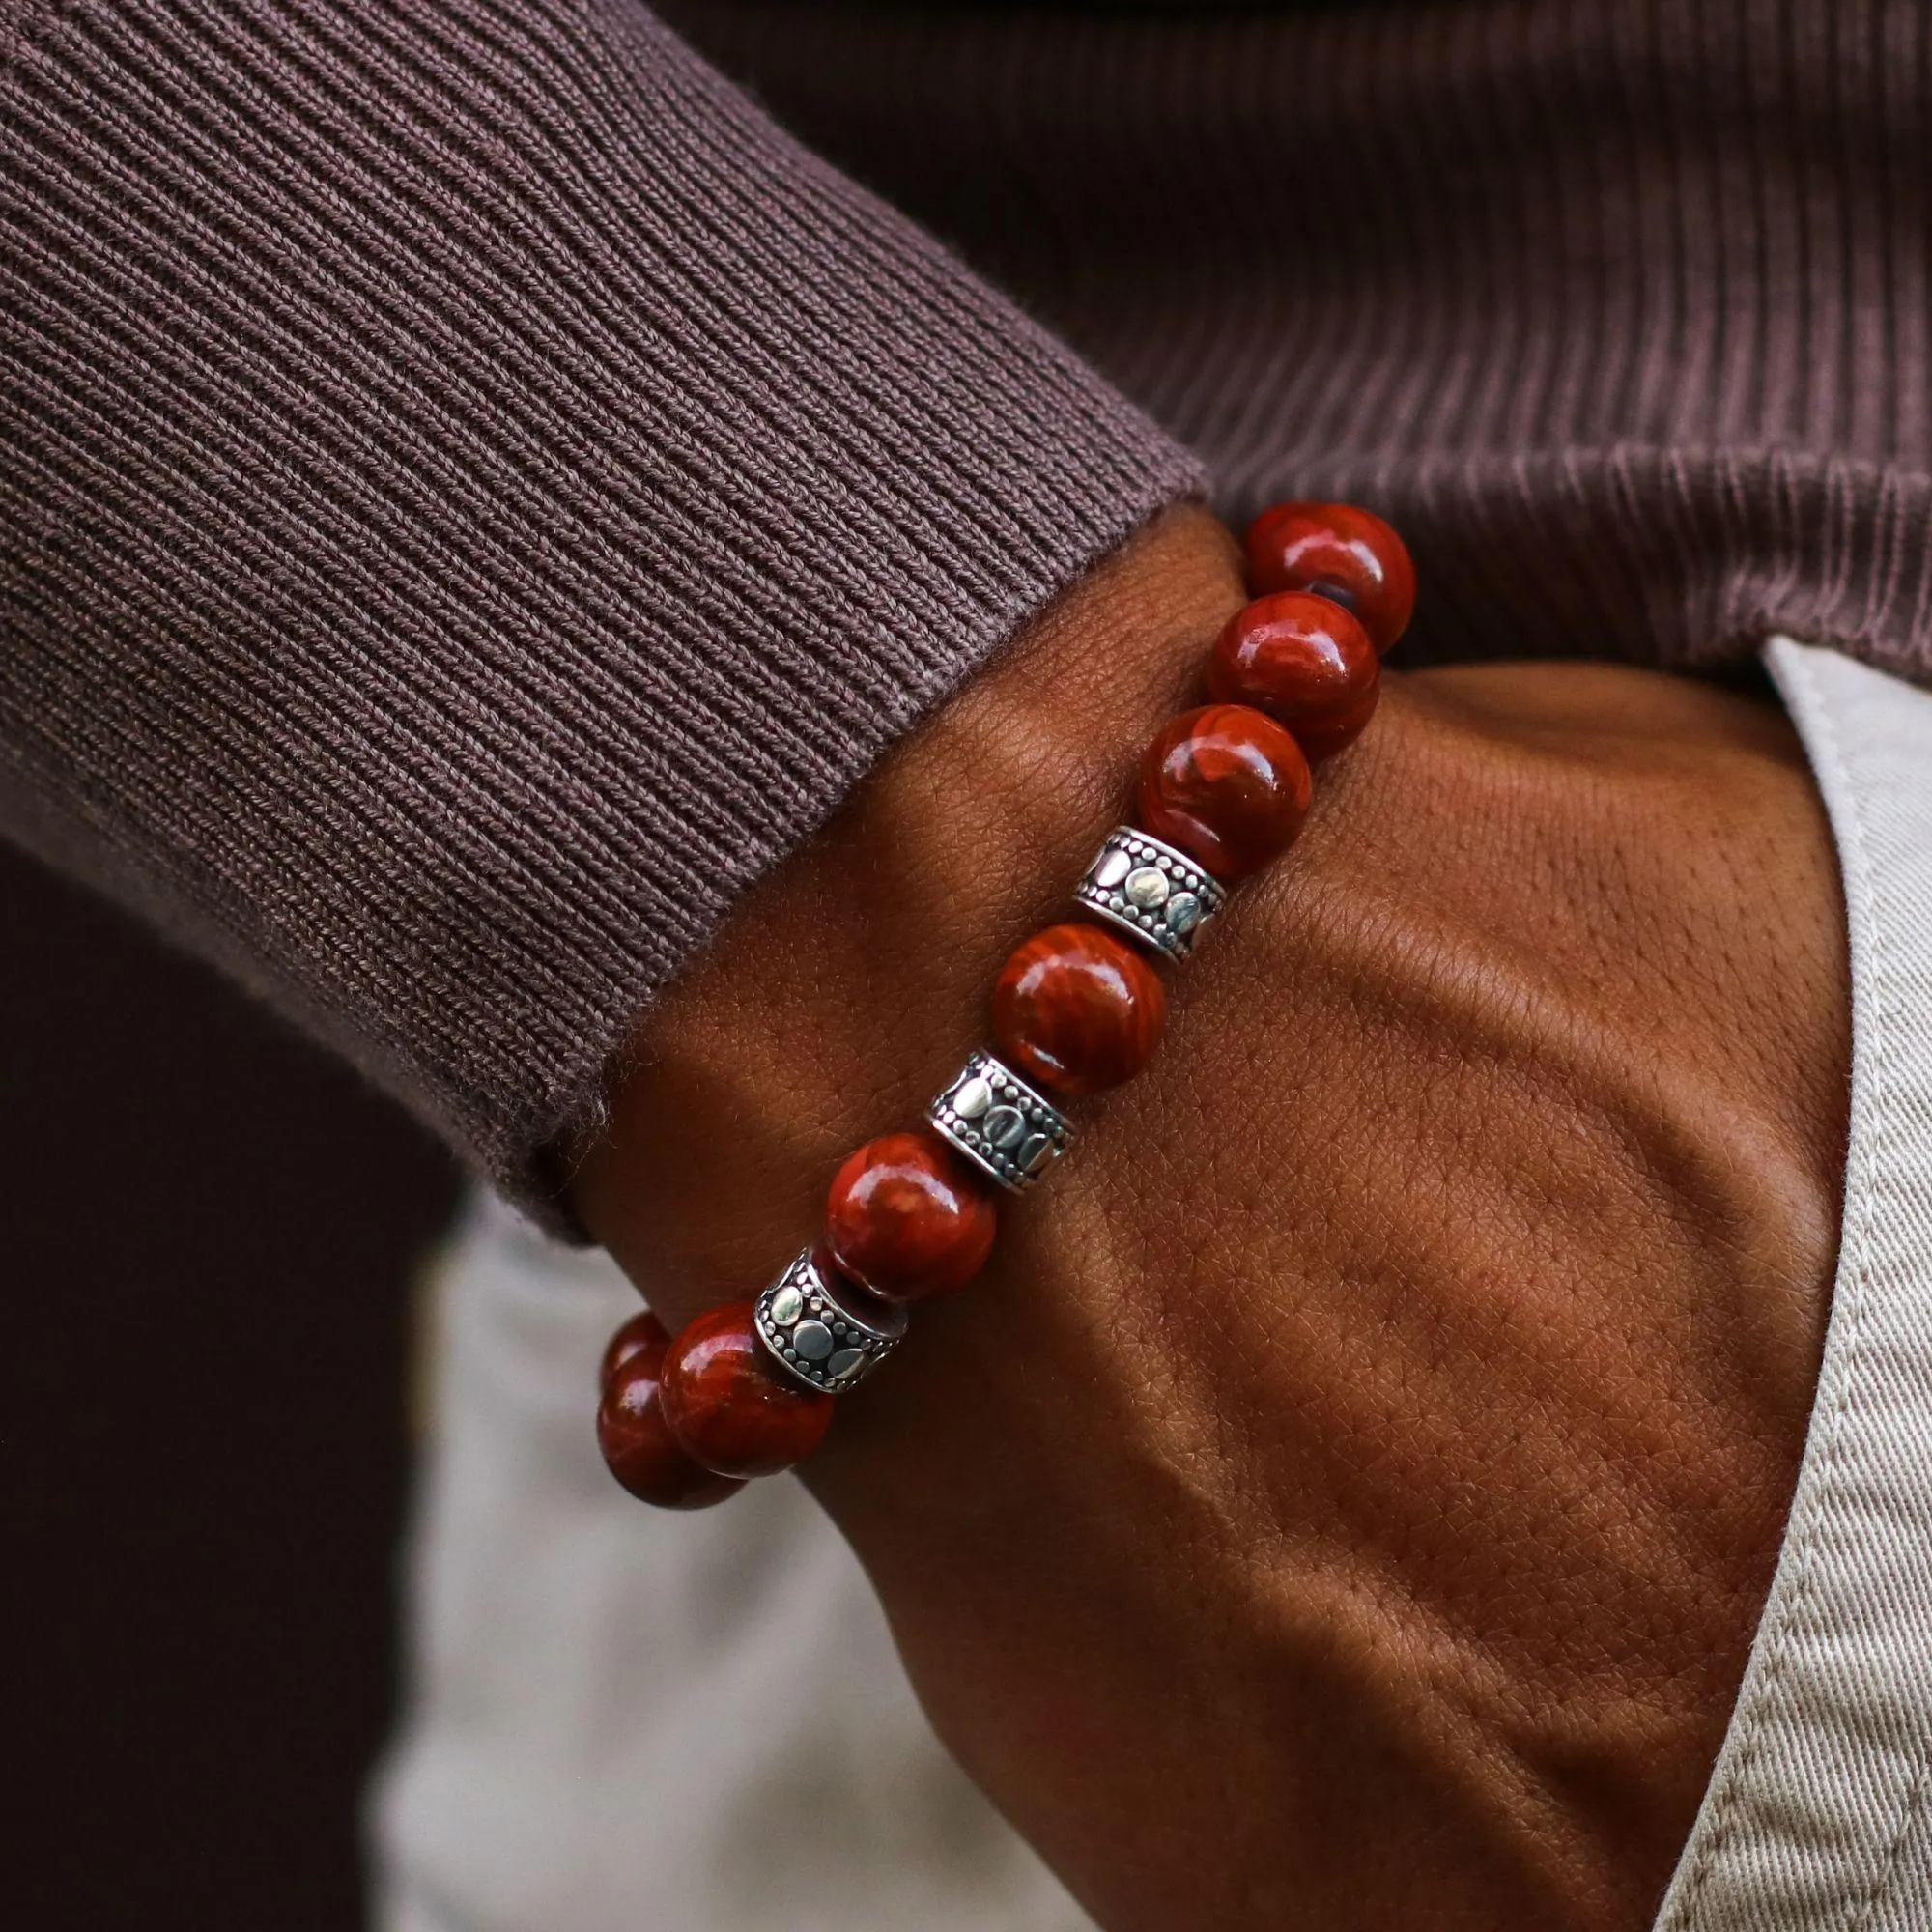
(477, 495)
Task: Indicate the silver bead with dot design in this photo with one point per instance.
(1145, 887)
(821, 1331)
(1000, 1124)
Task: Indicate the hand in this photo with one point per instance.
(1348, 1497)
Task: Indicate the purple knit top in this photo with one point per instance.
(476, 490)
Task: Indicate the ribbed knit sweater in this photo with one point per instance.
(475, 493)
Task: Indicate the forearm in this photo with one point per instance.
(747, 1077)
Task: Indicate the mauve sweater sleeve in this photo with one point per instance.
(473, 496)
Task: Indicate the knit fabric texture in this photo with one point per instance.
(473, 496)
(1622, 310)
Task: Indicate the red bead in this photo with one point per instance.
(1305, 660)
(1078, 1009)
(727, 1407)
(907, 1217)
(641, 1331)
(1336, 551)
(1227, 785)
(638, 1444)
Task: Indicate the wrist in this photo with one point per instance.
(852, 980)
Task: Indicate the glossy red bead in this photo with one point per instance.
(1303, 659)
(907, 1217)
(1226, 785)
(638, 1445)
(1337, 551)
(725, 1402)
(1078, 1009)
(641, 1331)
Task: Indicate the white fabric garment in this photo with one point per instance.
(1820, 1811)
(626, 1719)
(657, 1723)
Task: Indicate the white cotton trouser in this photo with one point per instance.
(1819, 1813)
(625, 1720)
(629, 1722)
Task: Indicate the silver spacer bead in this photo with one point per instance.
(824, 1333)
(1146, 888)
(1000, 1124)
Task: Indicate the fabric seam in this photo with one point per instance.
(1854, 859)
(1882, 1883)
(1873, 930)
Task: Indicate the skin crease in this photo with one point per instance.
(1347, 1497)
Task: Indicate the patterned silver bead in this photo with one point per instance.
(823, 1332)
(1146, 888)
(1000, 1124)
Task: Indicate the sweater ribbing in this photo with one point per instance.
(1622, 312)
(474, 496)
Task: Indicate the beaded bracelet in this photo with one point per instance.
(748, 1390)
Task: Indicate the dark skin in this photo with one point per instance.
(1347, 1498)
